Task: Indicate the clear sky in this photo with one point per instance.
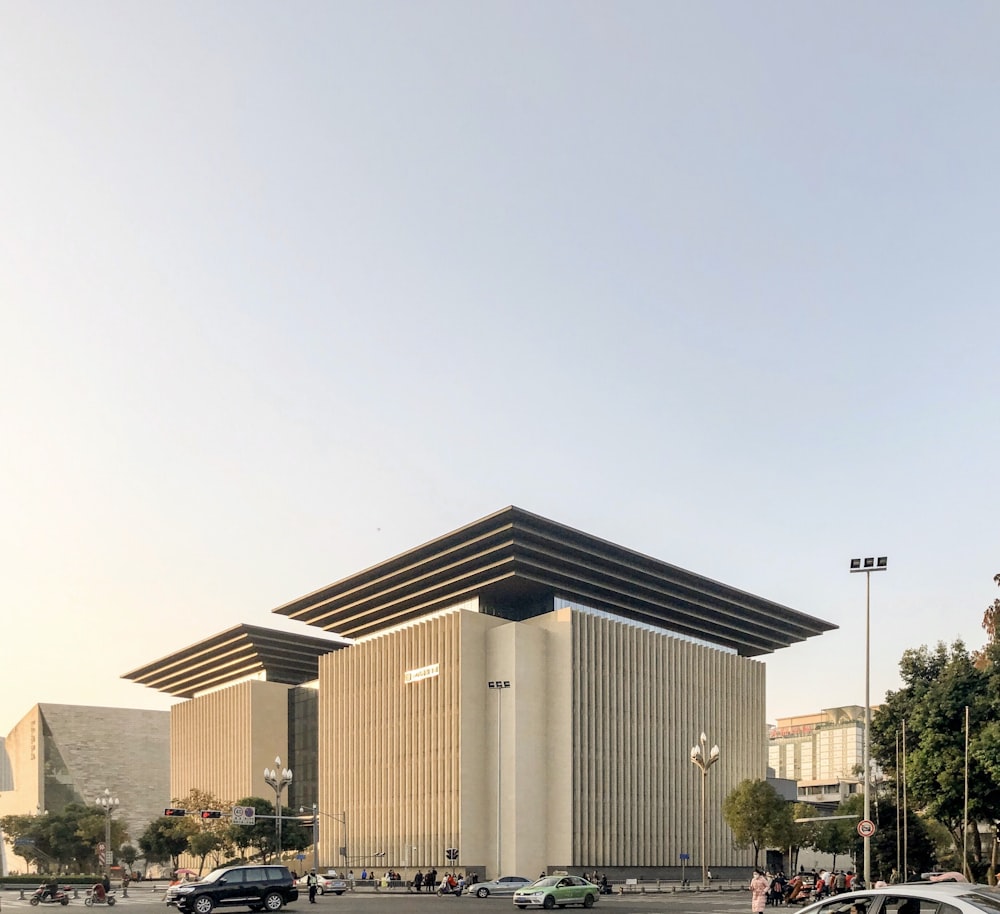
(288, 288)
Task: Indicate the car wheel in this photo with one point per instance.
(203, 904)
(341, 892)
(482, 893)
(273, 901)
(549, 902)
(588, 900)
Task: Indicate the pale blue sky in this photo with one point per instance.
(288, 288)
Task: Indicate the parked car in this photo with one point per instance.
(258, 888)
(505, 885)
(327, 885)
(558, 890)
(913, 898)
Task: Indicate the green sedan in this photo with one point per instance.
(557, 891)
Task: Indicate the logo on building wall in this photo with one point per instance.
(424, 672)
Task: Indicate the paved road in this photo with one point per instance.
(139, 897)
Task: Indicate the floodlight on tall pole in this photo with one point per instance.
(867, 566)
(109, 804)
(278, 779)
(499, 685)
(703, 762)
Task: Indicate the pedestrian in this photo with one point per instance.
(313, 883)
(418, 880)
(758, 892)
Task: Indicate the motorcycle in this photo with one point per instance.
(98, 895)
(60, 897)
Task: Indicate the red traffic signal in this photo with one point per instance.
(174, 812)
(211, 814)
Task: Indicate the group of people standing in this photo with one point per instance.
(453, 883)
(776, 889)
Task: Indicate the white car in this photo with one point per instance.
(913, 898)
(326, 885)
(505, 885)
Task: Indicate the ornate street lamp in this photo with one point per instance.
(108, 803)
(278, 779)
(703, 763)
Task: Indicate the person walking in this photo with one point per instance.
(758, 892)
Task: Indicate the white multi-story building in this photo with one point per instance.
(823, 753)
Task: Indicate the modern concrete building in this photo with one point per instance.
(610, 664)
(60, 754)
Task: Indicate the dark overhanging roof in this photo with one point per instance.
(234, 654)
(514, 559)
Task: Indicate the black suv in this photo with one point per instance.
(255, 887)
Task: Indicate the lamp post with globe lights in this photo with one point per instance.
(108, 803)
(703, 762)
(278, 779)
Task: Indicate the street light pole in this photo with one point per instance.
(108, 803)
(342, 819)
(278, 779)
(703, 763)
(868, 565)
(499, 685)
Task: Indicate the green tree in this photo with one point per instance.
(757, 816)
(939, 685)
(165, 839)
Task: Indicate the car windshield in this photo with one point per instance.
(548, 880)
(214, 875)
(984, 899)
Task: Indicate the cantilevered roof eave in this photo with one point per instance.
(616, 579)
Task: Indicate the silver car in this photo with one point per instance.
(913, 898)
(505, 885)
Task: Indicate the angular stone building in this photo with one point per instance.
(610, 664)
(60, 754)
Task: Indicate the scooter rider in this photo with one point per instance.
(49, 891)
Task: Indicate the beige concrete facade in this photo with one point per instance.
(221, 742)
(589, 759)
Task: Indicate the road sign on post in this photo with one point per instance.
(866, 828)
(244, 815)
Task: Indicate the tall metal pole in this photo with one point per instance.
(868, 725)
(499, 685)
(965, 815)
(499, 777)
(868, 565)
(316, 837)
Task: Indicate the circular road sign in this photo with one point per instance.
(866, 828)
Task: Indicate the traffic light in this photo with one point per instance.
(211, 814)
(451, 853)
(174, 812)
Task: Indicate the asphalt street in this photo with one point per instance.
(716, 902)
